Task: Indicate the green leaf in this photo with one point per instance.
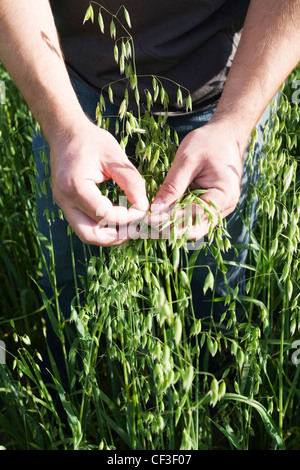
(177, 330)
(179, 97)
(123, 108)
(127, 17)
(188, 105)
(228, 433)
(89, 15)
(110, 94)
(116, 53)
(74, 422)
(209, 282)
(266, 418)
(288, 176)
(113, 30)
(100, 22)
(187, 377)
(149, 99)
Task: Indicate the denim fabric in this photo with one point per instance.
(57, 229)
(238, 231)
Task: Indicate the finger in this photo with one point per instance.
(90, 233)
(157, 219)
(95, 205)
(174, 186)
(117, 215)
(131, 182)
(193, 221)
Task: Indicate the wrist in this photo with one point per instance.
(239, 122)
(224, 129)
(60, 127)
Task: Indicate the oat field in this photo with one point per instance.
(136, 379)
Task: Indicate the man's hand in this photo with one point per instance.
(208, 158)
(79, 162)
(211, 157)
(82, 155)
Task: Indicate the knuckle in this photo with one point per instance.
(65, 188)
(169, 189)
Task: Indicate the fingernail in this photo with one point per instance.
(158, 205)
(142, 205)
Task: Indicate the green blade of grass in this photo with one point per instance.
(268, 422)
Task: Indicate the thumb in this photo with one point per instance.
(174, 186)
(132, 183)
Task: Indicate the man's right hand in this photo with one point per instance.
(80, 160)
(81, 154)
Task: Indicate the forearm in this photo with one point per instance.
(30, 50)
(268, 51)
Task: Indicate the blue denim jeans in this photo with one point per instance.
(56, 231)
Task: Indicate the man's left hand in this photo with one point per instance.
(209, 158)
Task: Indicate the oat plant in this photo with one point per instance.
(136, 378)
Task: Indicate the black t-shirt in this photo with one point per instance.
(189, 42)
